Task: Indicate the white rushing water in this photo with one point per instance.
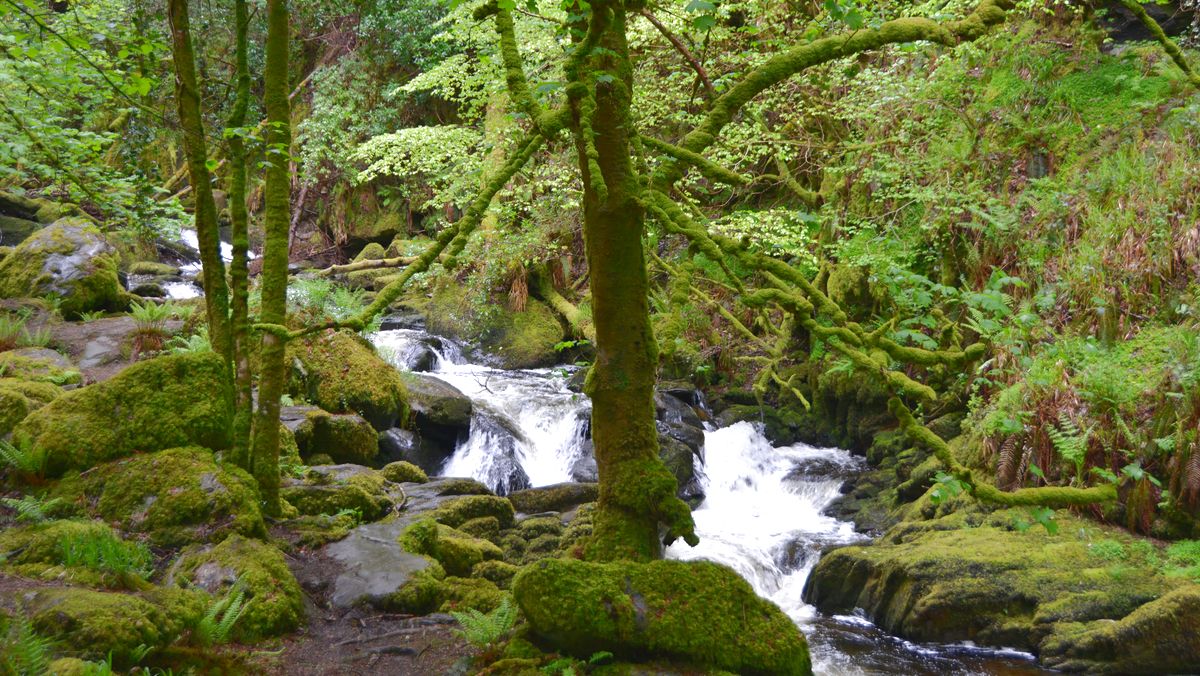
(527, 428)
(182, 290)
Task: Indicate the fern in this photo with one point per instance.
(216, 627)
(23, 652)
(20, 458)
(106, 553)
(1070, 442)
(30, 508)
(484, 629)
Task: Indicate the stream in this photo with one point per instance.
(763, 512)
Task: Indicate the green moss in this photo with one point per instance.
(33, 268)
(14, 407)
(344, 438)
(698, 612)
(319, 530)
(36, 369)
(518, 339)
(485, 527)
(456, 551)
(373, 251)
(153, 268)
(499, 572)
(176, 496)
(404, 472)
(165, 402)
(274, 600)
(94, 624)
(970, 576)
(461, 593)
(540, 525)
(37, 551)
(455, 512)
(342, 373)
(556, 498)
(320, 494)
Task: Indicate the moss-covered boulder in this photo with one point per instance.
(68, 258)
(274, 600)
(969, 576)
(343, 437)
(459, 510)
(95, 624)
(82, 552)
(333, 488)
(1160, 637)
(39, 364)
(696, 612)
(404, 472)
(340, 372)
(166, 402)
(555, 498)
(177, 496)
(517, 340)
(457, 551)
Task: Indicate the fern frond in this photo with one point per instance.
(25, 652)
(29, 507)
(20, 458)
(482, 629)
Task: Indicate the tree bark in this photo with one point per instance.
(276, 223)
(216, 297)
(637, 493)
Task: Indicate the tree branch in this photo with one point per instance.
(684, 52)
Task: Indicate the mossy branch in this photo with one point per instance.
(368, 264)
(1167, 43)
(710, 170)
(1047, 496)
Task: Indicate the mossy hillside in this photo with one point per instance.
(274, 600)
(518, 340)
(697, 612)
(340, 372)
(343, 437)
(94, 624)
(176, 497)
(166, 402)
(971, 576)
(69, 258)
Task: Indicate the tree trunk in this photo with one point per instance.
(276, 222)
(239, 220)
(216, 299)
(636, 490)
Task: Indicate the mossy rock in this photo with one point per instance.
(94, 624)
(516, 339)
(697, 612)
(456, 551)
(459, 510)
(404, 472)
(462, 593)
(345, 437)
(19, 398)
(329, 492)
(340, 372)
(540, 525)
(501, 573)
(177, 496)
(968, 576)
(274, 600)
(485, 527)
(39, 364)
(68, 258)
(166, 402)
(38, 551)
(153, 268)
(1159, 637)
(371, 252)
(556, 498)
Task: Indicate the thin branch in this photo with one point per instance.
(684, 52)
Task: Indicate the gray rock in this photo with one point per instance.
(14, 230)
(373, 564)
(69, 258)
(439, 408)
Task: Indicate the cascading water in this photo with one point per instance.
(527, 428)
(763, 514)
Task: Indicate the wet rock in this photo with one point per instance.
(441, 412)
(341, 372)
(406, 445)
(69, 258)
(328, 489)
(343, 437)
(373, 565)
(654, 609)
(584, 469)
(1175, 16)
(14, 230)
(556, 498)
(403, 319)
(149, 290)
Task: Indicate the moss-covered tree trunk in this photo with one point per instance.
(276, 221)
(637, 493)
(239, 222)
(191, 124)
